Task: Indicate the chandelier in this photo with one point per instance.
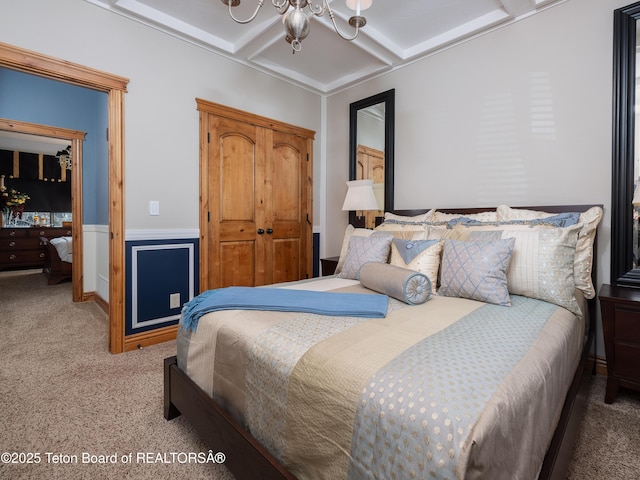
(296, 21)
(64, 158)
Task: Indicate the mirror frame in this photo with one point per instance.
(622, 174)
(388, 98)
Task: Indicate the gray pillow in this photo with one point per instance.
(476, 270)
(404, 284)
(362, 250)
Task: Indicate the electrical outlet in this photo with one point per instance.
(174, 300)
(154, 207)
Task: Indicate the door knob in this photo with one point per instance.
(260, 231)
(269, 231)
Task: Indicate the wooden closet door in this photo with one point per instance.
(256, 199)
(370, 167)
(235, 165)
(287, 202)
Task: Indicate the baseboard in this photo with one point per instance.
(151, 337)
(94, 297)
(601, 366)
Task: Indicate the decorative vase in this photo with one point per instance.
(6, 218)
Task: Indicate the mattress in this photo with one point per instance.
(452, 388)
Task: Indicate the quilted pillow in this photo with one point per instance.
(476, 270)
(420, 255)
(361, 250)
(583, 261)
(348, 233)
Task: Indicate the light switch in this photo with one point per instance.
(154, 207)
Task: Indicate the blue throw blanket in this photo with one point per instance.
(283, 300)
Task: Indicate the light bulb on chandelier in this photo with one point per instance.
(296, 21)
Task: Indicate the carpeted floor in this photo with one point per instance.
(64, 397)
(62, 393)
(608, 444)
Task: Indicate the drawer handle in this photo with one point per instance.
(41, 233)
(12, 234)
(12, 244)
(12, 257)
(42, 255)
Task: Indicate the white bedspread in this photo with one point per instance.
(63, 247)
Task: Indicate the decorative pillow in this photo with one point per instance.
(418, 255)
(362, 250)
(542, 265)
(348, 233)
(583, 262)
(560, 220)
(423, 217)
(476, 270)
(443, 233)
(490, 216)
(406, 285)
(408, 231)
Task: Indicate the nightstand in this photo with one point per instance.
(620, 308)
(329, 265)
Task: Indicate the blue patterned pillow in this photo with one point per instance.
(362, 250)
(476, 270)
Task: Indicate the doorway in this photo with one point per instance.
(75, 138)
(115, 87)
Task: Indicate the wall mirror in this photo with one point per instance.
(625, 231)
(371, 146)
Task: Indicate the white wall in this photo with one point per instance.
(519, 116)
(161, 120)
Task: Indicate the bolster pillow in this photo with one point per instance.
(404, 284)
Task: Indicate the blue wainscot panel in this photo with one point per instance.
(316, 254)
(158, 270)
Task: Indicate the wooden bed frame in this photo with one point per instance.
(55, 269)
(247, 459)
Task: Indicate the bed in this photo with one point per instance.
(354, 396)
(57, 259)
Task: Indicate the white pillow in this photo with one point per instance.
(412, 231)
(423, 217)
(490, 216)
(420, 255)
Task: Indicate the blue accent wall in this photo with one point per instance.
(157, 269)
(34, 99)
(316, 254)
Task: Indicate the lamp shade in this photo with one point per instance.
(359, 5)
(360, 196)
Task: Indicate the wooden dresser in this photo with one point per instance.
(21, 248)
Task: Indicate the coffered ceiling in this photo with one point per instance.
(397, 33)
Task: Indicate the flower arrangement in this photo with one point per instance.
(11, 201)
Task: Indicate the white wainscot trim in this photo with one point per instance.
(163, 234)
